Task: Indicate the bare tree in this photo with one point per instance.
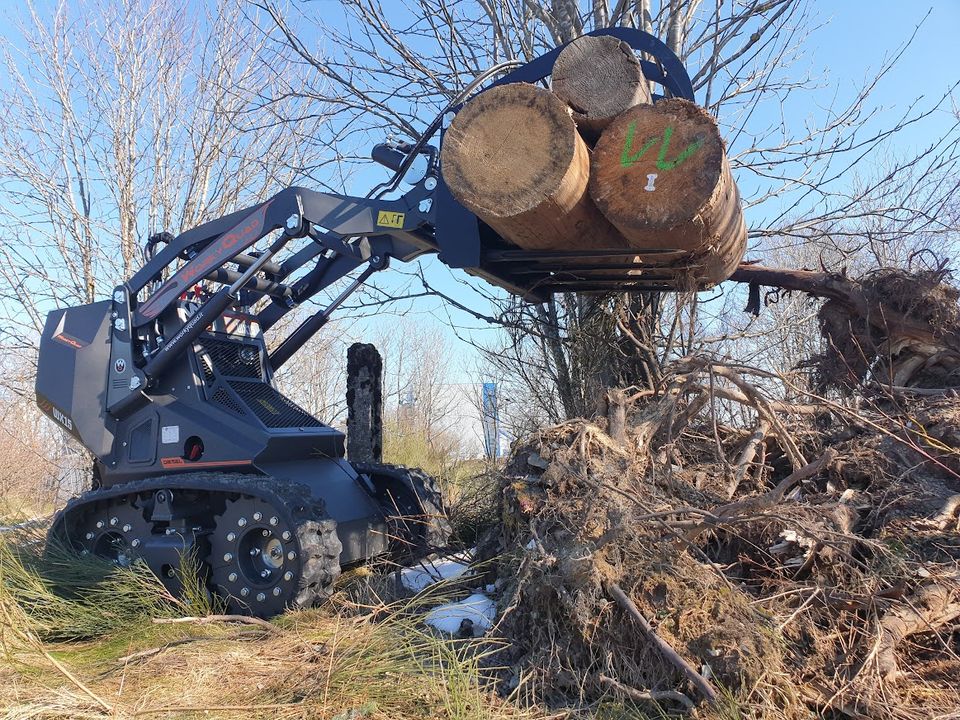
(124, 119)
(389, 70)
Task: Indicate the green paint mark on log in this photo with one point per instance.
(663, 163)
(629, 158)
(626, 159)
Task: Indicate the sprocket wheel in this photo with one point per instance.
(113, 531)
(263, 561)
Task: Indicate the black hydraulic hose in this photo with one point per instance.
(432, 128)
(205, 315)
(309, 327)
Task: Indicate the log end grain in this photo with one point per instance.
(661, 176)
(508, 149)
(599, 78)
(513, 157)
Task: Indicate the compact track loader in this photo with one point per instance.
(169, 383)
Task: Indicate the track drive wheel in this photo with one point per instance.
(264, 560)
(113, 531)
(414, 507)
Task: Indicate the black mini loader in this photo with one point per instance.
(169, 383)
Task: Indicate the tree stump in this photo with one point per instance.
(364, 403)
(514, 158)
(599, 78)
(661, 176)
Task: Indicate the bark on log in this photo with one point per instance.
(599, 78)
(660, 175)
(514, 158)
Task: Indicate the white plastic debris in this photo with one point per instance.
(477, 613)
(427, 573)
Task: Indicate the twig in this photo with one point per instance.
(216, 708)
(698, 680)
(799, 610)
(143, 654)
(772, 497)
(646, 695)
(207, 619)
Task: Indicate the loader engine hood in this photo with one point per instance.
(72, 373)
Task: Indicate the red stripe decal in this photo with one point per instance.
(179, 462)
(240, 237)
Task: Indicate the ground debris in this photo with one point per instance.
(816, 574)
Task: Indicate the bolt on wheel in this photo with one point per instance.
(114, 532)
(254, 557)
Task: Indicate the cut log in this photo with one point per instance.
(660, 174)
(599, 78)
(514, 158)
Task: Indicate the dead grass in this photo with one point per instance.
(345, 661)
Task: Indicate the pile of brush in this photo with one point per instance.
(736, 540)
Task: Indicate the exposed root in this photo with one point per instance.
(801, 562)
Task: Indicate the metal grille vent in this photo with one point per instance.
(206, 365)
(272, 408)
(232, 359)
(222, 397)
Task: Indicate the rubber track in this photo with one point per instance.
(436, 529)
(319, 545)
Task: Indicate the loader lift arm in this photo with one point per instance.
(348, 232)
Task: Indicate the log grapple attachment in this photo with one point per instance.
(170, 383)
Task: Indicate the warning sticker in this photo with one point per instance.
(170, 434)
(390, 219)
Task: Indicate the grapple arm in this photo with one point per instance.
(350, 231)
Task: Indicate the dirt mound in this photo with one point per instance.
(805, 561)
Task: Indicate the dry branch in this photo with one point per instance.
(698, 681)
(208, 619)
(647, 695)
(929, 609)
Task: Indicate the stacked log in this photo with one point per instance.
(661, 176)
(658, 178)
(514, 158)
(598, 78)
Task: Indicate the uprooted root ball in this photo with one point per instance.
(827, 583)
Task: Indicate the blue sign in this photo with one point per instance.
(491, 421)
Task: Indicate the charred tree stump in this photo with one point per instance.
(660, 175)
(599, 78)
(513, 157)
(364, 403)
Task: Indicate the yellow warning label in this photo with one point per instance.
(390, 219)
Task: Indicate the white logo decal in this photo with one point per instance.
(650, 180)
(61, 418)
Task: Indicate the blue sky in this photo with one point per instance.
(841, 56)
